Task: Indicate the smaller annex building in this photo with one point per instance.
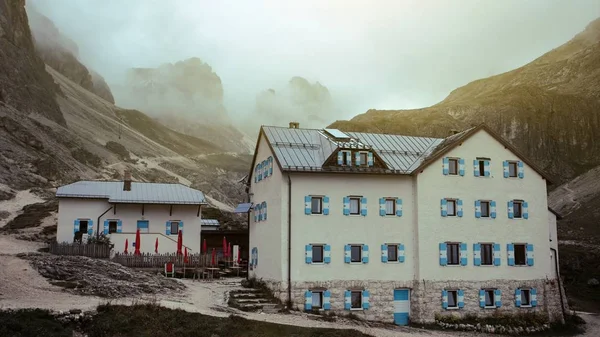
(119, 208)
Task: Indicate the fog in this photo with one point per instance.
(365, 54)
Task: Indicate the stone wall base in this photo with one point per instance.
(426, 297)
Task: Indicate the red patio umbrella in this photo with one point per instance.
(156, 246)
(224, 247)
(137, 243)
(214, 254)
(126, 245)
(185, 256)
(179, 243)
(228, 250)
(204, 250)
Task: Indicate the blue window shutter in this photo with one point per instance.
(75, 226)
(264, 210)
(463, 254)
(398, 207)
(181, 226)
(370, 159)
(308, 300)
(357, 158)
(510, 253)
(347, 300)
(461, 167)
(270, 166)
(90, 227)
(518, 297)
(521, 168)
(445, 166)
(363, 206)
(256, 174)
(346, 205)
(477, 254)
(497, 257)
(476, 168)
(533, 294)
(486, 168)
(307, 205)
(382, 206)
(529, 254)
(325, 205)
(384, 253)
(401, 253)
(481, 298)
(498, 298)
(445, 299)
(168, 228)
(510, 210)
(365, 299)
(459, 207)
(477, 208)
(105, 227)
(493, 209)
(119, 226)
(525, 210)
(327, 254)
(461, 298)
(327, 300)
(444, 207)
(365, 253)
(346, 253)
(443, 254)
(260, 171)
(505, 168)
(340, 159)
(308, 254)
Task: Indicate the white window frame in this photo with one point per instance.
(393, 200)
(489, 210)
(481, 164)
(516, 163)
(360, 307)
(86, 225)
(346, 158)
(361, 253)
(395, 245)
(171, 222)
(318, 245)
(524, 254)
(359, 204)
(481, 253)
(116, 222)
(515, 202)
(457, 161)
(448, 253)
(366, 154)
(320, 198)
(493, 306)
(528, 290)
(319, 294)
(455, 291)
(448, 201)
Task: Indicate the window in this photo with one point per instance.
(481, 165)
(83, 226)
(356, 253)
(317, 299)
(525, 297)
(354, 206)
(512, 169)
(390, 206)
(112, 226)
(487, 254)
(453, 166)
(452, 299)
(517, 209)
(485, 209)
(316, 205)
(453, 253)
(392, 253)
(451, 207)
(347, 158)
(356, 299)
(490, 301)
(520, 254)
(317, 254)
(363, 158)
(174, 227)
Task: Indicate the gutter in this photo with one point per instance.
(98, 223)
(560, 288)
(289, 278)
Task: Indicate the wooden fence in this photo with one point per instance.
(159, 260)
(89, 250)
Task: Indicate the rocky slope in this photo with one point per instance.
(548, 108)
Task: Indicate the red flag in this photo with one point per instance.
(179, 243)
(214, 254)
(126, 245)
(224, 247)
(156, 246)
(137, 243)
(204, 250)
(185, 256)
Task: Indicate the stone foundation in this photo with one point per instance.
(426, 297)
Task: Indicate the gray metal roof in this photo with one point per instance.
(147, 193)
(307, 149)
(209, 222)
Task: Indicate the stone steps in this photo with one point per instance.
(254, 300)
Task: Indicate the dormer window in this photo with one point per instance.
(363, 158)
(345, 158)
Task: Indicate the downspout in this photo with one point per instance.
(289, 278)
(98, 223)
(560, 288)
(239, 252)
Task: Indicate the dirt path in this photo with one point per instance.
(592, 321)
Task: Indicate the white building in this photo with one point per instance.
(391, 227)
(118, 208)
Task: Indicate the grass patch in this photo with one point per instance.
(497, 318)
(32, 322)
(577, 267)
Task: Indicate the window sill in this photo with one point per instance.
(318, 263)
(453, 265)
(356, 309)
(452, 308)
(525, 306)
(494, 307)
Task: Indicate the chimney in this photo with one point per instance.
(127, 181)
(294, 125)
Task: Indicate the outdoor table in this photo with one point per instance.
(212, 272)
(237, 268)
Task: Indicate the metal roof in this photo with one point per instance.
(209, 222)
(243, 208)
(307, 149)
(146, 193)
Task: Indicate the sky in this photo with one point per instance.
(380, 54)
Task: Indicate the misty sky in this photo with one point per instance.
(370, 54)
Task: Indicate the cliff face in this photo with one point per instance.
(548, 108)
(24, 83)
